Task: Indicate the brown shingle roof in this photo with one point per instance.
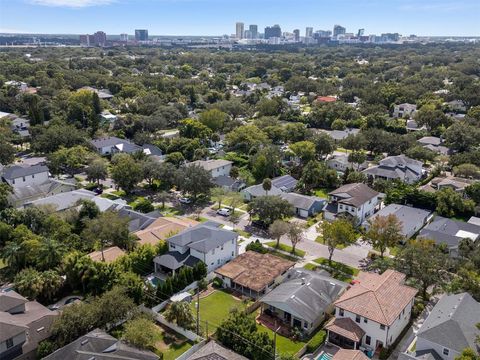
(344, 354)
(254, 270)
(354, 194)
(162, 228)
(110, 254)
(345, 327)
(380, 298)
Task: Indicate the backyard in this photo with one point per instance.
(284, 344)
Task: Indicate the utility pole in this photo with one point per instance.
(198, 311)
(275, 341)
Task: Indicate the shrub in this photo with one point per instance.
(217, 283)
(257, 247)
(143, 205)
(316, 341)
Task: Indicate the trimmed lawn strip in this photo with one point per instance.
(339, 270)
(322, 192)
(320, 240)
(286, 248)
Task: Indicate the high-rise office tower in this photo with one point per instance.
(273, 31)
(100, 38)
(124, 37)
(296, 33)
(239, 30)
(253, 31)
(309, 32)
(360, 32)
(338, 30)
(141, 35)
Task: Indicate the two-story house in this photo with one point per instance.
(216, 167)
(373, 312)
(356, 201)
(400, 110)
(450, 328)
(18, 176)
(23, 325)
(398, 167)
(206, 242)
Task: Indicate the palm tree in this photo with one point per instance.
(50, 253)
(13, 255)
(180, 313)
(52, 282)
(267, 185)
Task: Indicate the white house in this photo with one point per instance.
(19, 176)
(401, 110)
(216, 167)
(373, 312)
(398, 167)
(206, 242)
(339, 162)
(112, 145)
(449, 329)
(355, 200)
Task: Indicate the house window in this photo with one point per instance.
(33, 176)
(382, 327)
(172, 246)
(365, 320)
(368, 340)
(341, 207)
(221, 248)
(233, 253)
(305, 325)
(446, 351)
(10, 343)
(218, 261)
(358, 318)
(24, 179)
(13, 181)
(341, 312)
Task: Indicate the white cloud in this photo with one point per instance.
(76, 4)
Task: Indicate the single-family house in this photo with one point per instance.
(398, 167)
(449, 329)
(373, 312)
(216, 167)
(108, 255)
(26, 194)
(400, 110)
(338, 135)
(111, 145)
(412, 125)
(450, 233)
(97, 344)
(346, 354)
(63, 201)
(339, 162)
(206, 242)
(255, 191)
(285, 183)
(434, 143)
(23, 325)
(356, 201)
(103, 94)
(162, 228)
(455, 183)
(456, 106)
(303, 299)
(137, 220)
(20, 126)
(411, 219)
(19, 85)
(228, 183)
(18, 176)
(108, 117)
(304, 205)
(254, 274)
(214, 351)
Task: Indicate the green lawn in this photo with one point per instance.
(340, 271)
(243, 233)
(173, 345)
(286, 248)
(310, 266)
(215, 308)
(284, 345)
(322, 192)
(170, 211)
(109, 196)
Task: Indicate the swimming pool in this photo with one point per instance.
(154, 281)
(324, 356)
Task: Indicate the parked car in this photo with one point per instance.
(65, 302)
(185, 200)
(224, 212)
(260, 224)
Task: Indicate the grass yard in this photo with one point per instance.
(322, 192)
(215, 308)
(242, 233)
(310, 266)
(284, 345)
(286, 248)
(170, 211)
(340, 271)
(172, 345)
(109, 196)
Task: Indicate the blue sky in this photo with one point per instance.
(216, 17)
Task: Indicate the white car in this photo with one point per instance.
(224, 212)
(185, 200)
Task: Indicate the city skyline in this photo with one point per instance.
(213, 17)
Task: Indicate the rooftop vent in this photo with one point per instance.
(84, 342)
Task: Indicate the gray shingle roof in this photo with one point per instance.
(452, 322)
(449, 231)
(305, 294)
(15, 171)
(355, 194)
(299, 201)
(121, 144)
(257, 190)
(10, 300)
(210, 165)
(138, 220)
(172, 259)
(412, 219)
(203, 237)
(214, 351)
(284, 183)
(63, 201)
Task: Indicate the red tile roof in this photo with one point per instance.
(345, 327)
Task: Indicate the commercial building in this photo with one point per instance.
(296, 35)
(253, 31)
(239, 30)
(309, 32)
(273, 32)
(339, 30)
(141, 35)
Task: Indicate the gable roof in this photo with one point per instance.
(285, 182)
(211, 164)
(449, 231)
(305, 294)
(138, 220)
(162, 228)
(299, 201)
(452, 322)
(214, 351)
(400, 160)
(380, 298)
(344, 354)
(257, 190)
(355, 194)
(99, 345)
(10, 300)
(113, 141)
(254, 270)
(16, 171)
(65, 200)
(203, 237)
(110, 254)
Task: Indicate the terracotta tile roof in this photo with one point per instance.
(326, 99)
(345, 327)
(344, 354)
(380, 298)
(162, 228)
(110, 254)
(254, 270)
